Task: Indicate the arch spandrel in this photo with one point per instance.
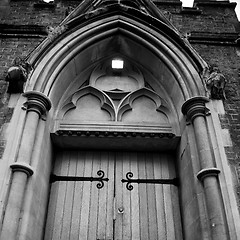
(168, 66)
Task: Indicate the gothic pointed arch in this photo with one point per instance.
(160, 52)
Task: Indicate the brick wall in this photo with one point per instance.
(28, 12)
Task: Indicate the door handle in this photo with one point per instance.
(121, 210)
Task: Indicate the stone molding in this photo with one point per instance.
(22, 31)
(195, 107)
(37, 102)
(100, 134)
(22, 167)
(210, 3)
(206, 172)
(42, 5)
(212, 38)
(173, 2)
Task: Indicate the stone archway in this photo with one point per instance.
(171, 69)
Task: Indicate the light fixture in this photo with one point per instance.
(117, 63)
(44, 4)
(48, 1)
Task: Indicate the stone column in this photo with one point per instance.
(36, 106)
(196, 111)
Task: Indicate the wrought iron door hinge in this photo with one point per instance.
(100, 179)
(130, 180)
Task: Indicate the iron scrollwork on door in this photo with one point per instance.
(100, 179)
(131, 180)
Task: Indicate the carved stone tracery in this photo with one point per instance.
(105, 102)
(127, 103)
(134, 108)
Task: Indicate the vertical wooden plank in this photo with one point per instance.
(161, 221)
(77, 197)
(126, 205)
(52, 206)
(57, 229)
(84, 222)
(151, 198)
(110, 195)
(102, 210)
(167, 199)
(93, 218)
(143, 206)
(135, 200)
(119, 197)
(175, 200)
(66, 228)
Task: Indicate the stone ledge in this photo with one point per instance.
(113, 134)
(191, 10)
(115, 140)
(22, 31)
(42, 4)
(178, 3)
(214, 4)
(213, 38)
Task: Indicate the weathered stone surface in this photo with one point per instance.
(211, 28)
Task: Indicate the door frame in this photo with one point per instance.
(117, 192)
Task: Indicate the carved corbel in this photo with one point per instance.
(215, 83)
(95, 12)
(54, 32)
(17, 75)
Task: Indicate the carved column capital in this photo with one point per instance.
(195, 107)
(206, 172)
(37, 102)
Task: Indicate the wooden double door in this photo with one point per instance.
(81, 210)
